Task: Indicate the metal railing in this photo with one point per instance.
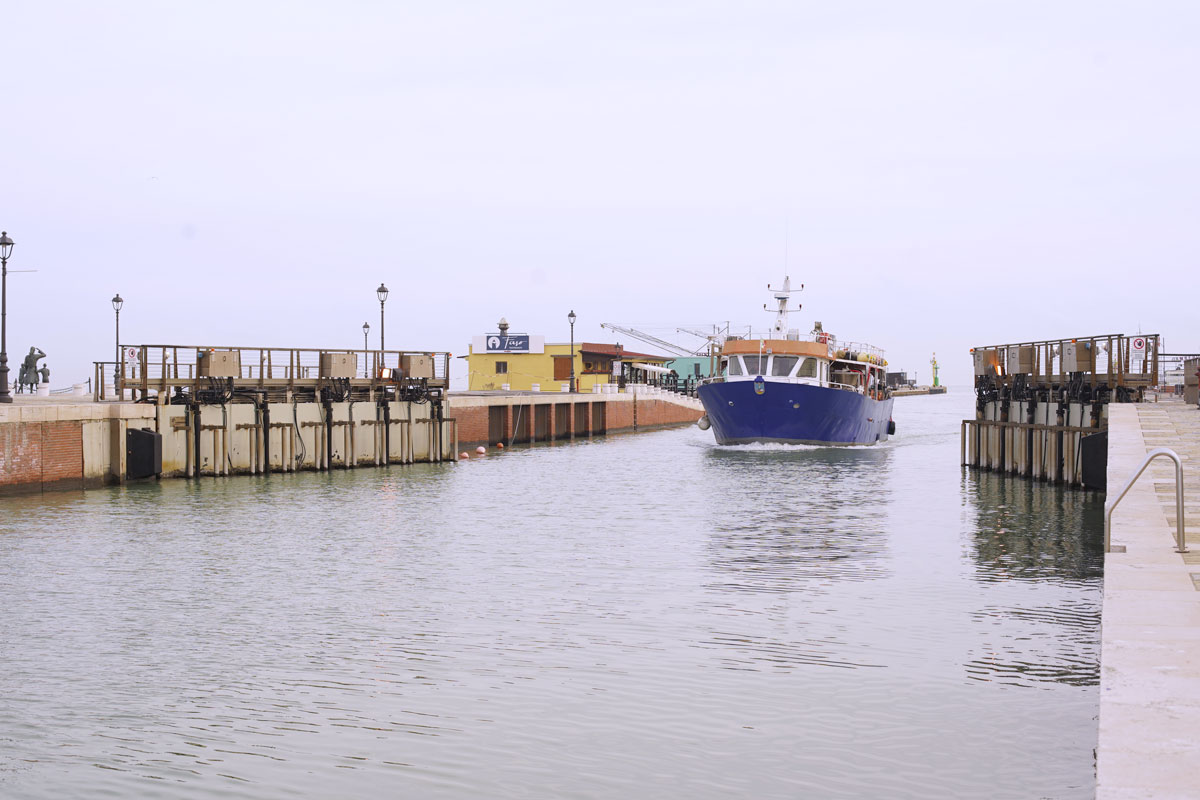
(1180, 539)
(160, 368)
(1112, 358)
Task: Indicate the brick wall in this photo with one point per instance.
(35, 456)
(653, 413)
(620, 416)
(472, 424)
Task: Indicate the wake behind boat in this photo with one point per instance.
(785, 388)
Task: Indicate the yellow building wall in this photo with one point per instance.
(526, 369)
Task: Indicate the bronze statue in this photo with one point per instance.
(29, 370)
(45, 373)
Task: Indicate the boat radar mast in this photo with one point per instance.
(782, 296)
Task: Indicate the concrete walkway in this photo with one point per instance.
(1150, 651)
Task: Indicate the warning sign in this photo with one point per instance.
(131, 353)
(1138, 344)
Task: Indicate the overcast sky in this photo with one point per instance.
(939, 174)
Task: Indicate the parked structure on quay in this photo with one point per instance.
(1042, 407)
(522, 362)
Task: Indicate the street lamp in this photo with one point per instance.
(366, 366)
(381, 293)
(6, 246)
(117, 303)
(571, 319)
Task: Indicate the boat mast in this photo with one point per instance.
(782, 296)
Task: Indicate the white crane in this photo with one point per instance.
(662, 344)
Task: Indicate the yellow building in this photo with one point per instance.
(518, 363)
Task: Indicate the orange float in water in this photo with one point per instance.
(481, 449)
(464, 454)
(499, 445)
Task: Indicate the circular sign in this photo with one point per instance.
(1139, 343)
(131, 353)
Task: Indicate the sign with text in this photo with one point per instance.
(509, 343)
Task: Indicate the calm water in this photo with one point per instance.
(643, 616)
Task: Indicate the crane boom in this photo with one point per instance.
(662, 344)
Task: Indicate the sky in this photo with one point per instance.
(939, 175)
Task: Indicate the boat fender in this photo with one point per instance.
(703, 423)
(891, 426)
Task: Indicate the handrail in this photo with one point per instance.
(1180, 540)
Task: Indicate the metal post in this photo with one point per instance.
(5, 249)
(366, 353)
(381, 293)
(118, 367)
(571, 318)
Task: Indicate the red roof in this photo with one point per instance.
(612, 351)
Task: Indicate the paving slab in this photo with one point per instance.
(1149, 745)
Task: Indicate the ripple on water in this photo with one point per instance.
(642, 615)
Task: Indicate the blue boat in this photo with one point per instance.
(797, 390)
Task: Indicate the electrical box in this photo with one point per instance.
(987, 362)
(339, 365)
(218, 364)
(1020, 360)
(1078, 357)
(417, 366)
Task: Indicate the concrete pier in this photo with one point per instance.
(488, 418)
(1149, 744)
(62, 444)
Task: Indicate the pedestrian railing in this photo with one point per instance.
(1180, 537)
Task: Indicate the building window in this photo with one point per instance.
(501, 367)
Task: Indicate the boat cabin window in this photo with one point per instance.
(735, 366)
(753, 367)
(808, 369)
(781, 366)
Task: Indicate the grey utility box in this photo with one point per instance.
(339, 365)
(987, 362)
(218, 364)
(1078, 357)
(1020, 360)
(417, 366)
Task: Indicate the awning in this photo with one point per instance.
(650, 368)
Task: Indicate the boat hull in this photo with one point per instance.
(793, 413)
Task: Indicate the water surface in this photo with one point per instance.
(638, 616)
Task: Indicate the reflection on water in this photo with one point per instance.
(801, 517)
(1046, 541)
(1026, 531)
(648, 615)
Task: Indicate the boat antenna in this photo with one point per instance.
(782, 296)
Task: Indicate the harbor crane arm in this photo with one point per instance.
(662, 344)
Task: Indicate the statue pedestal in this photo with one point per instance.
(43, 390)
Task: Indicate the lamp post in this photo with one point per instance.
(6, 246)
(366, 366)
(382, 294)
(571, 319)
(117, 303)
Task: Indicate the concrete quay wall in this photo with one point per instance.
(48, 446)
(541, 417)
(1149, 738)
(58, 446)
